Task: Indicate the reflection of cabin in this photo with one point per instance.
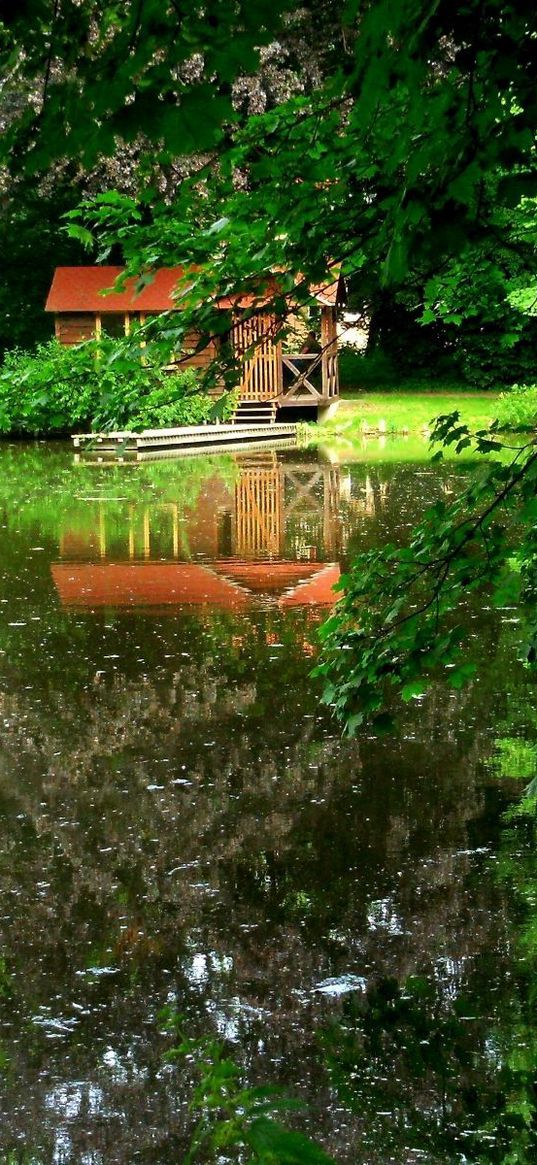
(269, 372)
(270, 538)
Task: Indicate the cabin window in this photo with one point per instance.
(113, 324)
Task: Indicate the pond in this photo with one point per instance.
(183, 826)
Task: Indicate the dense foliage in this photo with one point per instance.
(464, 315)
(55, 389)
(517, 410)
(33, 241)
(400, 621)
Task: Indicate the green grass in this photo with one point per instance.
(400, 412)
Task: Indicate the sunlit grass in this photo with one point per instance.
(400, 412)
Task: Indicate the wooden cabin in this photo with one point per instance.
(270, 372)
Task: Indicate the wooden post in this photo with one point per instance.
(330, 376)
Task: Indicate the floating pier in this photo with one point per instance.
(191, 438)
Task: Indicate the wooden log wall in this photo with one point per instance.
(200, 360)
(73, 328)
(262, 371)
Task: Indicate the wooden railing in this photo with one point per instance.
(300, 364)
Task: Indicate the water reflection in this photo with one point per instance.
(180, 823)
(269, 536)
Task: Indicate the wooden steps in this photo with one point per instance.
(255, 412)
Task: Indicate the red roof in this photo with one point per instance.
(80, 289)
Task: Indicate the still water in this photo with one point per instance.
(182, 824)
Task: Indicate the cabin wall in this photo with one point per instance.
(74, 328)
(200, 360)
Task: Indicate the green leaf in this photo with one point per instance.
(413, 689)
(272, 1142)
(461, 675)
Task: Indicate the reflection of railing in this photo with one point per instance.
(312, 498)
(275, 511)
(257, 524)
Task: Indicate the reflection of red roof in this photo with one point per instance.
(267, 577)
(79, 289)
(143, 584)
(316, 592)
(167, 584)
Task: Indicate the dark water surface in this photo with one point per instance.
(182, 824)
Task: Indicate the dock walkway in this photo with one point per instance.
(126, 443)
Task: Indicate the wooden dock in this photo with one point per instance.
(131, 446)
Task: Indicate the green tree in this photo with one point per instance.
(414, 150)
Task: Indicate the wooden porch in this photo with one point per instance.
(289, 379)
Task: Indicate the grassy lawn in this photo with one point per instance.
(399, 412)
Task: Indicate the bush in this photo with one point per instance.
(517, 409)
(49, 390)
(358, 370)
(176, 400)
(56, 389)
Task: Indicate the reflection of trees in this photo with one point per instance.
(170, 820)
(442, 1064)
(178, 819)
(448, 1068)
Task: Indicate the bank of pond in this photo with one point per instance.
(57, 390)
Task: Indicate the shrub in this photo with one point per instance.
(517, 409)
(365, 371)
(49, 390)
(176, 400)
(56, 389)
